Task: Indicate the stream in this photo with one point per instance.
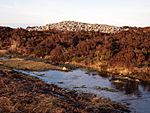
(135, 95)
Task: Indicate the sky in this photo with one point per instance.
(23, 13)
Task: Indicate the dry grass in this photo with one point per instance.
(3, 52)
(142, 74)
(19, 63)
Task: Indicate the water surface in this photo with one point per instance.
(134, 94)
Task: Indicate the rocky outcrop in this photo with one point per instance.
(76, 26)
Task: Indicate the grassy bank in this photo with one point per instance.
(135, 73)
(21, 63)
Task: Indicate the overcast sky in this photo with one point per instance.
(21, 13)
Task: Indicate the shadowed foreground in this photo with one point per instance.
(20, 93)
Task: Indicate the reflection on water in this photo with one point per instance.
(123, 90)
(127, 86)
(146, 87)
(3, 58)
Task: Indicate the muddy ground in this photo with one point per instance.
(24, 94)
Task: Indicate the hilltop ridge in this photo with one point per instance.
(76, 26)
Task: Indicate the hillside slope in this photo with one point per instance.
(123, 52)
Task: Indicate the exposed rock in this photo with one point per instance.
(77, 26)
